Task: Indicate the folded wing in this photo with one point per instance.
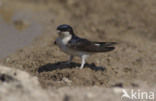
(87, 46)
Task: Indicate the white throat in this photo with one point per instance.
(66, 39)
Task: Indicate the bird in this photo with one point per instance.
(73, 45)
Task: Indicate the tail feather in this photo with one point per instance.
(106, 49)
(104, 46)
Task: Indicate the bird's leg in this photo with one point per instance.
(83, 61)
(70, 59)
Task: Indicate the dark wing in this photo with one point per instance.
(87, 46)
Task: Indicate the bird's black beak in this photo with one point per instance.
(55, 42)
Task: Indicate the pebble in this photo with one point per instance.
(67, 80)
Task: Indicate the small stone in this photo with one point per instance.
(66, 80)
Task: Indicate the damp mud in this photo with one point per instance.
(130, 23)
(17, 30)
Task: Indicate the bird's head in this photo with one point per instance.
(65, 30)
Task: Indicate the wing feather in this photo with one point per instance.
(88, 46)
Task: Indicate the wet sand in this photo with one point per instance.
(17, 30)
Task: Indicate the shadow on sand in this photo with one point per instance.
(63, 65)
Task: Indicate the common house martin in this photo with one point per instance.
(73, 45)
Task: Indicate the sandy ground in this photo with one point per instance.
(131, 23)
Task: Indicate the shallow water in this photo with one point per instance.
(17, 29)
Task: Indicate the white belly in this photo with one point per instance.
(67, 50)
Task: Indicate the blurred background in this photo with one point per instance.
(28, 30)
